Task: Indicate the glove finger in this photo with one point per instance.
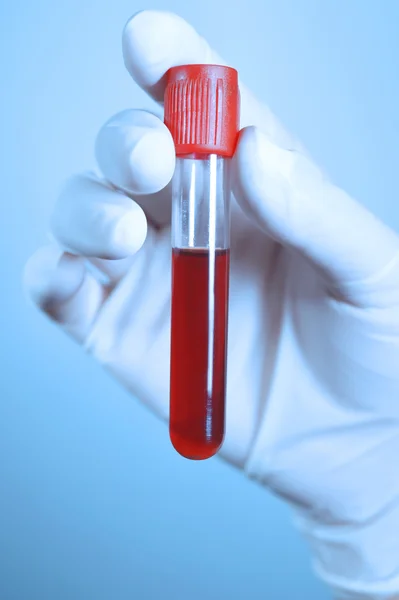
(153, 41)
(94, 220)
(59, 284)
(286, 194)
(136, 154)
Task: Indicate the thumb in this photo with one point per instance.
(289, 198)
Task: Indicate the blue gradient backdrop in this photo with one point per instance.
(94, 503)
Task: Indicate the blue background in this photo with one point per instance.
(94, 503)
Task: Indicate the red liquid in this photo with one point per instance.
(198, 351)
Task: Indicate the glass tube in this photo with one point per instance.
(200, 276)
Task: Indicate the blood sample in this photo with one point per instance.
(198, 377)
(202, 114)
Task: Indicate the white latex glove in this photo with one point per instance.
(313, 372)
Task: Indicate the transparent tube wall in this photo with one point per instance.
(201, 198)
(200, 269)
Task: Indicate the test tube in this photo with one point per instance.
(202, 114)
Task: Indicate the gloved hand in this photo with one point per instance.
(313, 372)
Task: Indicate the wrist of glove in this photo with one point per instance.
(328, 442)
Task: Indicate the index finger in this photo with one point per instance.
(155, 41)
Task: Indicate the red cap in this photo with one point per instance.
(202, 109)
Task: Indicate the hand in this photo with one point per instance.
(313, 372)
